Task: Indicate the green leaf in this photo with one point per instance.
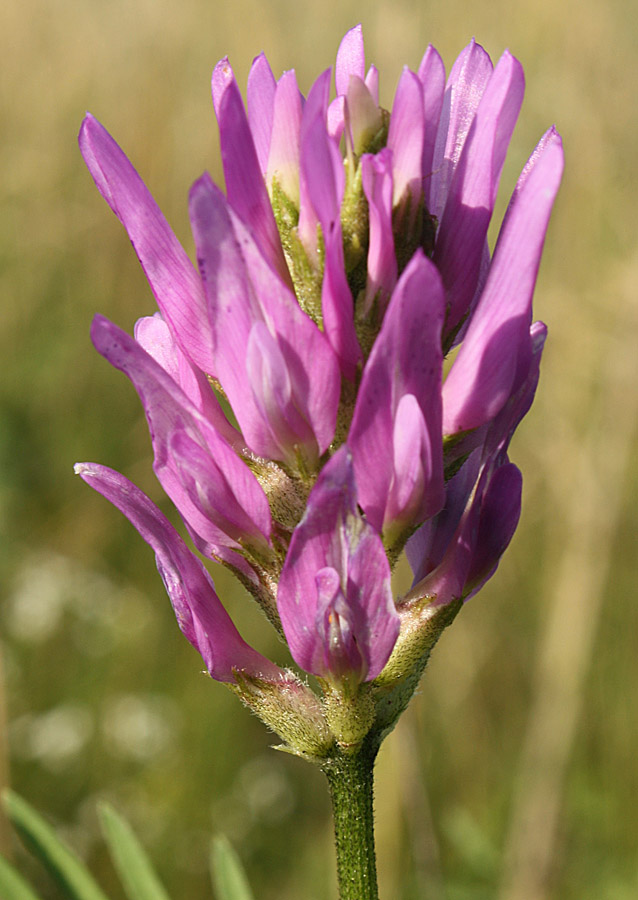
(133, 866)
(41, 839)
(229, 880)
(12, 884)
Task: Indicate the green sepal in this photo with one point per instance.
(355, 228)
(58, 859)
(290, 709)
(306, 277)
(413, 228)
(284, 209)
(350, 713)
(456, 450)
(227, 873)
(377, 141)
(130, 860)
(421, 626)
(12, 884)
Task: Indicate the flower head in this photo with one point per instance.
(347, 258)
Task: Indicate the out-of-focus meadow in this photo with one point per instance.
(514, 774)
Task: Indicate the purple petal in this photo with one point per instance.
(432, 77)
(427, 547)
(364, 115)
(550, 137)
(372, 83)
(336, 629)
(324, 180)
(245, 186)
(336, 118)
(500, 430)
(210, 493)
(350, 59)
(468, 79)
(405, 359)
(338, 306)
(171, 275)
(445, 583)
(500, 512)
(376, 174)
(269, 379)
(482, 536)
(283, 160)
(405, 138)
(260, 99)
(321, 162)
(200, 614)
(409, 499)
(313, 117)
(169, 412)
(494, 358)
(335, 599)
(243, 290)
(152, 333)
(463, 232)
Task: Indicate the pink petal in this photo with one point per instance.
(324, 179)
(405, 138)
(260, 98)
(432, 77)
(269, 379)
(321, 162)
(408, 500)
(283, 161)
(336, 118)
(245, 186)
(372, 83)
(200, 614)
(171, 275)
(405, 359)
(376, 174)
(314, 109)
(495, 356)
(468, 79)
(500, 512)
(350, 59)
(152, 333)
(169, 412)
(336, 567)
(427, 547)
(364, 115)
(463, 231)
(242, 289)
(338, 306)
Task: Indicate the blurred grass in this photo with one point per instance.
(513, 775)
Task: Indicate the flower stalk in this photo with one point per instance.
(350, 778)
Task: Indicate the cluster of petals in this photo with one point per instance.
(293, 380)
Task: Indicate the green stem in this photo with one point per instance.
(350, 776)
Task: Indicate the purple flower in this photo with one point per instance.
(200, 614)
(348, 256)
(335, 599)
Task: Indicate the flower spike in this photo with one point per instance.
(303, 416)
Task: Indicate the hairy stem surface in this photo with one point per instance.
(350, 776)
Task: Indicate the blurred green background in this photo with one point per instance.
(513, 776)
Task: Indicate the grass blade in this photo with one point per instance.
(12, 884)
(229, 880)
(134, 868)
(43, 842)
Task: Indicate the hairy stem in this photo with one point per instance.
(350, 777)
